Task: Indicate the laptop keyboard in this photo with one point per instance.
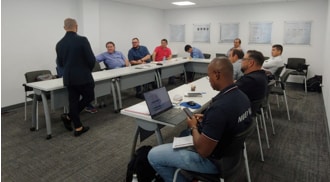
(168, 114)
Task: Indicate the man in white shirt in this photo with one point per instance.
(276, 61)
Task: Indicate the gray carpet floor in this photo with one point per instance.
(299, 150)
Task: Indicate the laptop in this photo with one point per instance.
(160, 107)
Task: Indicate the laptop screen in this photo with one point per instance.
(157, 101)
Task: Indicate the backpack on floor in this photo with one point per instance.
(140, 166)
(314, 83)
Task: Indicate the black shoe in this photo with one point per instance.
(66, 122)
(78, 133)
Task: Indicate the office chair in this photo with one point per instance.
(257, 110)
(174, 55)
(228, 164)
(278, 73)
(279, 90)
(266, 57)
(29, 94)
(220, 55)
(207, 56)
(299, 67)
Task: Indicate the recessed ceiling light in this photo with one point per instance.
(183, 3)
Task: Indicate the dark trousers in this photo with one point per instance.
(77, 103)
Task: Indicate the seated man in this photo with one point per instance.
(112, 58)
(211, 132)
(276, 61)
(194, 53)
(162, 53)
(235, 57)
(138, 54)
(254, 82)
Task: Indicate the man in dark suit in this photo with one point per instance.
(75, 55)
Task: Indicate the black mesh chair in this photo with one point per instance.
(299, 67)
(279, 89)
(228, 164)
(220, 55)
(207, 56)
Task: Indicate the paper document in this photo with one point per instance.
(179, 142)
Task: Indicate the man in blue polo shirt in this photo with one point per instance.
(138, 54)
(228, 114)
(112, 58)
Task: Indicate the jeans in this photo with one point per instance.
(165, 160)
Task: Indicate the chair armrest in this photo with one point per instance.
(27, 88)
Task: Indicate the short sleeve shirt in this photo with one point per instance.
(162, 52)
(228, 114)
(112, 60)
(137, 53)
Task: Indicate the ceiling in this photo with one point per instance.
(166, 4)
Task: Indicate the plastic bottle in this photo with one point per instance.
(164, 59)
(135, 179)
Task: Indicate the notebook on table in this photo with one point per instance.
(160, 107)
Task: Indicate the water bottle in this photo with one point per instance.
(164, 59)
(135, 179)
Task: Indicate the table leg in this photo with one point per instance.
(47, 115)
(34, 113)
(114, 95)
(137, 131)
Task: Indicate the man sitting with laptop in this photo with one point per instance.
(228, 114)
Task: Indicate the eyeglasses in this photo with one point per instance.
(245, 59)
(135, 42)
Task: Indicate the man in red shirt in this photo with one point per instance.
(162, 52)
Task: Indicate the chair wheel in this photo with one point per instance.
(33, 129)
(48, 137)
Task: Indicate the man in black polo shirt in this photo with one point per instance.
(254, 82)
(228, 114)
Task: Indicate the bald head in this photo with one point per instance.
(220, 72)
(70, 25)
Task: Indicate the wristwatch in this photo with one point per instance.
(192, 128)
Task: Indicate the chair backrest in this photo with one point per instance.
(207, 56)
(97, 67)
(32, 75)
(278, 72)
(295, 63)
(220, 55)
(266, 57)
(174, 55)
(256, 105)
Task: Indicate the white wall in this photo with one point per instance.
(31, 29)
(277, 13)
(326, 72)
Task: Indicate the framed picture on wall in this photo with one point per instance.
(201, 33)
(260, 32)
(228, 32)
(177, 33)
(297, 32)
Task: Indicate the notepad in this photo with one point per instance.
(180, 142)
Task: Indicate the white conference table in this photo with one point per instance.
(112, 81)
(144, 121)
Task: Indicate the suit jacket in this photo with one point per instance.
(75, 55)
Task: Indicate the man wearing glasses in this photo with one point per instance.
(254, 82)
(138, 54)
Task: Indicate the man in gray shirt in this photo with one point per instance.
(235, 57)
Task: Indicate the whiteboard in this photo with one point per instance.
(297, 32)
(260, 32)
(201, 33)
(177, 33)
(228, 32)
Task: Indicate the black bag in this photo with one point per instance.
(314, 83)
(140, 166)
